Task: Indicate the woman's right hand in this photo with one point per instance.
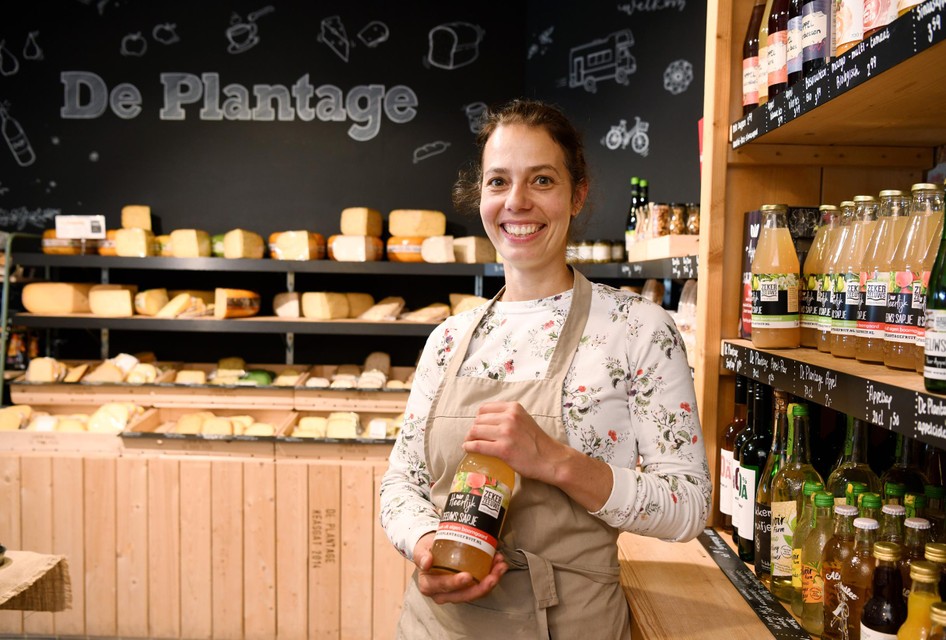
(458, 587)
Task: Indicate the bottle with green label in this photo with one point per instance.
(805, 521)
(776, 322)
(776, 460)
(934, 352)
(812, 581)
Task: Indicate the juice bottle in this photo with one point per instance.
(472, 520)
(812, 583)
(837, 554)
(775, 273)
(925, 592)
(776, 460)
(935, 552)
(805, 522)
(926, 210)
(875, 274)
(733, 429)
(750, 60)
(777, 51)
(763, 77)
(938, 619)
(833, 279)
(831, 216)
(857, 574)
(811, 278)
(921, 287)
(848, 277)
(885, 611)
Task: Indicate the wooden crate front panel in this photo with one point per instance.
(132, 550)
(10, 487)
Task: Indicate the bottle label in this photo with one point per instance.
(935, 345)
(877, 13)
(775, 300)
(901, 321)
(763, 70)
(825, 305)
(794, 45)
(474, 512)
(750, 81)
(874, 307)
(777, 57)
(810, 301)
(744, 486)
(869, 634)
(783, 526)
(763, 538)
(920, 289)
(847, 287)
(814, 30)
(812, 585)
(796, 569)
(837, 595)
(725, 481)
(849, 21)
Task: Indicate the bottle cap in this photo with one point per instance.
(925, 186)
(811, 487)
(935, 552)
(847, 204)
(845, 510)
(869, 524)
(894, 509)
(635, 180)
(887, 551)
(895, 489)
(799, 410)
(864, 199)
(924, 570)
(825, 499)
(917, 523)
(938, 613)
(827, 207)
(890, 193)
(870, 500)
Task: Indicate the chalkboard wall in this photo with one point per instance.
(276, 115)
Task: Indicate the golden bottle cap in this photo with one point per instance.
(891, 193)
(864, 199)
(938, 613)
(935, 552)
(924, 571)
(827, 207)
(884, 550)
(926, 186)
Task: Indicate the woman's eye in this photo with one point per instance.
(543, 180)
(494, 182)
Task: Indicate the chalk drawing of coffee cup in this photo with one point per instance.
(476, 114)
(454, 45)
(242, 36)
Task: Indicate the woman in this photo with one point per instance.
(573, 385)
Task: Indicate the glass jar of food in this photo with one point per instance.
(660, 220)
(601, 251)
(585, 251)
(678, 214)
(693, 219)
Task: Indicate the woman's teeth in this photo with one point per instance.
(520, 229)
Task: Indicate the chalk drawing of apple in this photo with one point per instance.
(165, 33)
(134, 44)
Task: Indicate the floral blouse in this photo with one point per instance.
(628, 400)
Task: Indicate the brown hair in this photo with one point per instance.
(532, 113)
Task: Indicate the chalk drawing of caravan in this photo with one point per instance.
(603, 59)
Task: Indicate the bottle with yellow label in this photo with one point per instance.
(775, 274)
(812, 582)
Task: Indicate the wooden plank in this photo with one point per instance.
(388, 582)
(843, 183)
(68, 539)
(227, 548)
(356, 531)
(164, 539)
(292, 578)
(36, 525)
(131, 538)
(324, 572)
(259, 549)
(195, 561)
(100, 576)
(10, 487)
(887, 158)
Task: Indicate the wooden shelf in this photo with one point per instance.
(677, 268)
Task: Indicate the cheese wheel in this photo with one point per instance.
(190, 376)
(358, 303)
(162, 246)
(417, 222)
(287, 304)
(136, 216)
(45, 370)
(297, 245)
(150, 301)
(190, 243)
(134, 243)
(107, 245)
(142, 373)
(53, 245)
(324, 305)
(405, 248)
(240, 243)
(113, 300)
(207, 297)
(437, 249)
(56, 298)
(473, 249)
(235, 303)
(361, 221)
(343, 424)
(355, 248)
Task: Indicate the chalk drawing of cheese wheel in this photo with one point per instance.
(454, 44)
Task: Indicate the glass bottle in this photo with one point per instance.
(726, 447)
(934, 511)
(848, 25)
(891, 524)
(831, 216)
(776, 460)
(777, 51)
(938, 619)
(857, 574)
(934, 370)
(870, 506)
(875, 274)
(837, 554)
(816, 35)
(935, 552)
(786, 497)
(921, 294)
(853, 492)
(852, 465)
(906, 469)
(794, 55)
(885, 610)
(878, 15)
(925, 591)
(630, 226)
(752, 459)
(751, 64)
(848, 277)
(775, 272)
(915, 504)
(834, 269)
(805, 521)
(915, 533)
(926, 211)
(764, 53)
(894, 493)
(812, 585)
(934, 465)
(738, 443)
(811, 278)
(482, 485)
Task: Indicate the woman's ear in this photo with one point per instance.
(578, 199)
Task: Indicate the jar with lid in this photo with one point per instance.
(693, 219)
(678, 214)
(935, 552)
(601, 251)
(938, 620)
(586, 251)
(660, 220)
(617, 251)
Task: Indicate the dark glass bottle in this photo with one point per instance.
(905, 470)
(631, 224)
(752, 459)
(934, 353)
(816, 16)
(885, 611)
(777, 51)
(794, 56)
(751, 65)
(738, 443)
(776, 460)
(726, 448)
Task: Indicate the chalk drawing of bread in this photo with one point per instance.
(334, 36)
(374, 33)
(429, 150)
(454, 44)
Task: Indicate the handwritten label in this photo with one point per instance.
(323, 538)
(929, 16)
(871, 65)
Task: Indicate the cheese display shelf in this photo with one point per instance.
(674, 268)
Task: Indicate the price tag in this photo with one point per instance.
(80, 227)
(815, 89)
(929, 18)
(930, 423)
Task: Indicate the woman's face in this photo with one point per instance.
(527, 198)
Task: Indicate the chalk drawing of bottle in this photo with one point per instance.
(16, 138)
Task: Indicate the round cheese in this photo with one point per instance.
(405, 248)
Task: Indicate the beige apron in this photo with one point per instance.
(563, 581)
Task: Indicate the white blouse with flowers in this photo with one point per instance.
(628, 400)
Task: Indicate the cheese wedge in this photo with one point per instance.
(56, 298)
(15, 417)
(191, 423)
(324, 305)
(112, 417)
(207, 297)
(142, 373)
(358, 303)
(235, 303)
(217, 427)
(436, 312)
(175, 306)
(136, 216)
(473, 249)
(361, 221)
(311, 427)
(387, 309)
(113, 300)
(75, 373)
(297, 245)
(417, 222)
(343, 424)
(190, 243)
(45, 369)
(437, 249)
(190, 376)
(405, 248)
(260, 429)
(287, 304)
(150, 301)
(108, 371)
(240, 243)
(355, 248)
(134, 243)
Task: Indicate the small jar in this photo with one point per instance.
(678, 213)
(601, 251)
(585, 251)
(617, 251)
(660, 222)
(693, 219)
(571, 253)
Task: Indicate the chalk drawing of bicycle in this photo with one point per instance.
(620, 136)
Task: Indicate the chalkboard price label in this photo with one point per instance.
(929, 23)
(931, 419)
(815, 89)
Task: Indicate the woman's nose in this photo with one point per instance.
(518, 197)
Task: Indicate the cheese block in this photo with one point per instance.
(378, 361)
(343, 424)
(387, 309)
(240, 424)
(175, 306)
(142, 373)
(358, 303)
(136, 216)
(405, 248)
(324, 305)
(162, 246)
(75, 373)
(15, 417)
(45, 370)
(318, 382)
(77, 423)
(191, 423)
(235, 303)
(231, 363)
(190, 243)
(361, 221)
(436, 312)
(311, 427)
(240, 243)
(208, 297)
(42, 422)
(113, 300)
(373, 379)
(355, 248)
(460, 302)
(107, 245)
(378, 428)
(190, 376)
(125, 361)
(108, 371)
(54, 245)
(437, 249)
(134, 243)
(287, 378)
(473, 249)
(347, 370)
(287, 304)
(56, 298)
(217, 426)
(297, 245)
(113, 417)
(417, 222)
(150, 301)
(259, 429)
